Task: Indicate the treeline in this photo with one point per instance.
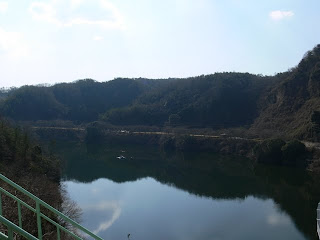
(81, 101)
(24, 162)
(284, 104)
(23, 155)
(218, 100)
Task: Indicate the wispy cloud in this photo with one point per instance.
(3, 7)
(11, 44)
(97, 38)
(44, 12)
(49, 12)
(76, 3)
(279, 15)
(105, 206)
(278, 219)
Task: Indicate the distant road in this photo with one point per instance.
(60, 128)
(197, 135)
(124, 132)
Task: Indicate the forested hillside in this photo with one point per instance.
(218, 100)
(24, 162)
(292, 107)
(287, 103)
(81, 101)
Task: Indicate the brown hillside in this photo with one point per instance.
(291, 108)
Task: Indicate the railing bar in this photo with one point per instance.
(56, 224)
(16, 186)
(50, 220)
(17, 229)
(17, 199)
(75, 224)
(44, 204)
(58, 233)
(0, 203)
(2, 236)
(19, 215)
(39, 220)
(59, 226)
(10, 233)
(71, 233)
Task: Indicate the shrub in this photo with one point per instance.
(269, 151)
(293, 153)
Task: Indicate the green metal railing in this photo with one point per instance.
(39, 203)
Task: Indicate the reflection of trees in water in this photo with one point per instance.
(220, 177)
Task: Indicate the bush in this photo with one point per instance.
(269, 151)
(293, 153)
(276, 151)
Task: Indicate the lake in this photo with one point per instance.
(159, 195)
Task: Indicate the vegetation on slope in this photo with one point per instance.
(81, 101)
(287, 104)
(23, 161)
(291, 107)
(218, 100)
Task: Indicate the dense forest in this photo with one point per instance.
(286, 103)
(24, 162)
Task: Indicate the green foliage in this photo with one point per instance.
(293, 153)
(315, 117)
(269, 151)
(174, 119)
(283, 105)
(218, 100)
(291, 107)
(136, 115)
(81, 101)
(17, 150)
(277, 151)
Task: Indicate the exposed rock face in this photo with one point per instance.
(288, 107)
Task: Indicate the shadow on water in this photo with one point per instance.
(295, 191)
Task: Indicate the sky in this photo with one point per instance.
(52, 41)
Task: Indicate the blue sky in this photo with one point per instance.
(52, 41)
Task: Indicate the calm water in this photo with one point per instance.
(156, 195)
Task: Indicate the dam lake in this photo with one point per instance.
(151, 194)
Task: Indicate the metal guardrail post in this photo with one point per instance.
(19, 214)
(39, 220)
(14, 228)
(10, 233)
(39, 203)
(0, 205)
(58, 233)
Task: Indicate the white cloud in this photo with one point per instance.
(277, 219)
(49, 12)
(97, 38)
(11, 44)
(3, 7)
(44, 12)
(279, 15)
(105, 206)
(76, 3)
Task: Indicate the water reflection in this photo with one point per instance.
(102, 208)
(272, 199)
